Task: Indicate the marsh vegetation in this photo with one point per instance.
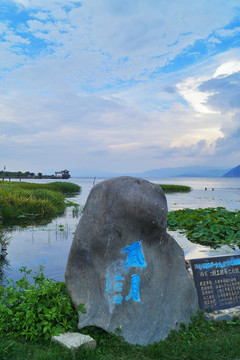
(21, 201)
(212, 227)
(169, 188)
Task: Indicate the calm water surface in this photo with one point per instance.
(49, 245)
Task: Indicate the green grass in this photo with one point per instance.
(61, 186)
(168, 188)
(21, 201)
(31, 313)
(64, 187)
(201, 341)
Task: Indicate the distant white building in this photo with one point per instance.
(64, 174)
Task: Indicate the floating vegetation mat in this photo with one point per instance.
(212, 227)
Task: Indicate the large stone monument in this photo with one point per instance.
(123, 266)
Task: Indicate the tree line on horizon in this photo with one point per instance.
(18, 174)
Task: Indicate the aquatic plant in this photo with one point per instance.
(213, 227)
(4, 238)
(64, 187)
(19, 200)
(61, 186)
(169, 188)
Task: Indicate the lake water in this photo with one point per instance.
(49, 245)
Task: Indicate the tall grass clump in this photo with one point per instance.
(64, 187)
(169, 188)
(20, 200)
(61, 186)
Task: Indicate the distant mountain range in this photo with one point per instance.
(188, 171)
(235, 172)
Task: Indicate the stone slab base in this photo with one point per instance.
(226, 314)
(75, 340)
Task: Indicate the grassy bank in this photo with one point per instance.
(168, 188)
(61, 186)
(31, 314)
(22, 200)
(201, 341)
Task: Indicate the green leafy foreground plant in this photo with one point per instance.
(213, 227)
(36, 311)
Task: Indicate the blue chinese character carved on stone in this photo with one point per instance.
(117, 299)
(114, 288)
(135, 255)
(134, 291)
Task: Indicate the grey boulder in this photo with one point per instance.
(124, 267)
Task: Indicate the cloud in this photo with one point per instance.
(147, 34)
(41, 4)
(222, 90)
(80, 127)
(111, 84)
(228, 32)
(225, 92)
(190, 89)
(191, 151)
(227, 68)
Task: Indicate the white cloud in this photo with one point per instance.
(148, 34)
(228, 32)
(93, 90)
(15, 39)
(189, 89)
(227, 68)
(42, 4)
(41, 15)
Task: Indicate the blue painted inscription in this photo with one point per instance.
(114, 282)
(134, 291)
(135, 255)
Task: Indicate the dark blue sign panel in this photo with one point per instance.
(217, 281)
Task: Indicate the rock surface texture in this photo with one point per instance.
(124, 267)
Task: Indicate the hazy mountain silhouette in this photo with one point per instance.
(187, 171)
(235, 172)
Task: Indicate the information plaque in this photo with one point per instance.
(217, 281)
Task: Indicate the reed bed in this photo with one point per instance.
(63, 187)
(20, 200)
(169, 188)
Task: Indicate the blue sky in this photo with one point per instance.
(119, 85)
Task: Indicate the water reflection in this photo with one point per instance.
(4, 267)
(195, 251)
(46, 245)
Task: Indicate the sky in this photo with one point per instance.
(119, 85)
